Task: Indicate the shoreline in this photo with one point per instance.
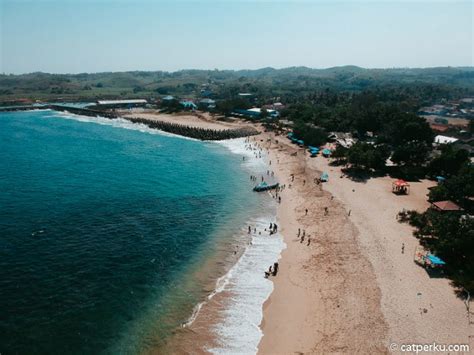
(352, 290)
(228, 319)
(317, 305)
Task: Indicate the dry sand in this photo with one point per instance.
(198, 120)
(352, 290)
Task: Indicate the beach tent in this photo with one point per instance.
(400, 187)
(324, 177)
(326, 152)
(434, 260)
(424, 258)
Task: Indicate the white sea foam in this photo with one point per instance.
(239, 330)
(116, 122)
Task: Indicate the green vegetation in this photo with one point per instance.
(451, 237)
(377, 107)
(366, 156)
(290, 85)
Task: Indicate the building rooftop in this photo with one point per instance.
(446, 206)
(121, 102)
(444, 139)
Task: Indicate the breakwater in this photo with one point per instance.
(195, 132)
(174, 128)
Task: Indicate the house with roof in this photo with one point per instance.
(439, 139)
(188, 104)
(207, 103)
(445, 206)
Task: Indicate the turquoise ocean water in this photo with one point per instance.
(100, 228)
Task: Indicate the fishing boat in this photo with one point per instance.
(263, 186)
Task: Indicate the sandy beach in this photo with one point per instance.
(352, 290)
(200, 120)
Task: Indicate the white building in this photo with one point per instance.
(444, 139)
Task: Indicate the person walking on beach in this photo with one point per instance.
(302, 239)
(403, 248)
(299, 232)
(309, 241)
(306, 212)
(326, 212)
(349, 214)
(275, 269)
(250, 230)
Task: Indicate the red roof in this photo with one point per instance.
(438, 127)
(446, 206)
(401, 182)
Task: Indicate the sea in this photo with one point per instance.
(113, 236)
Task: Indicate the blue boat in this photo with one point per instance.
(263, 186)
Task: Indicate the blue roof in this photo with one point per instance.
(435, 260)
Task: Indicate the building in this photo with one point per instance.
(122, 103)
(207, 103)
(445, 206)
(271, 113)
(188, 104)
(439, 139)
(342, 138)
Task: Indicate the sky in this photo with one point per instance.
(76, 36)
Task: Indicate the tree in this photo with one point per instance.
(457, 187)
(413, 153)
(407, 127)
(451, 237)
(368, 156)
(311, 135)
(451, 160)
